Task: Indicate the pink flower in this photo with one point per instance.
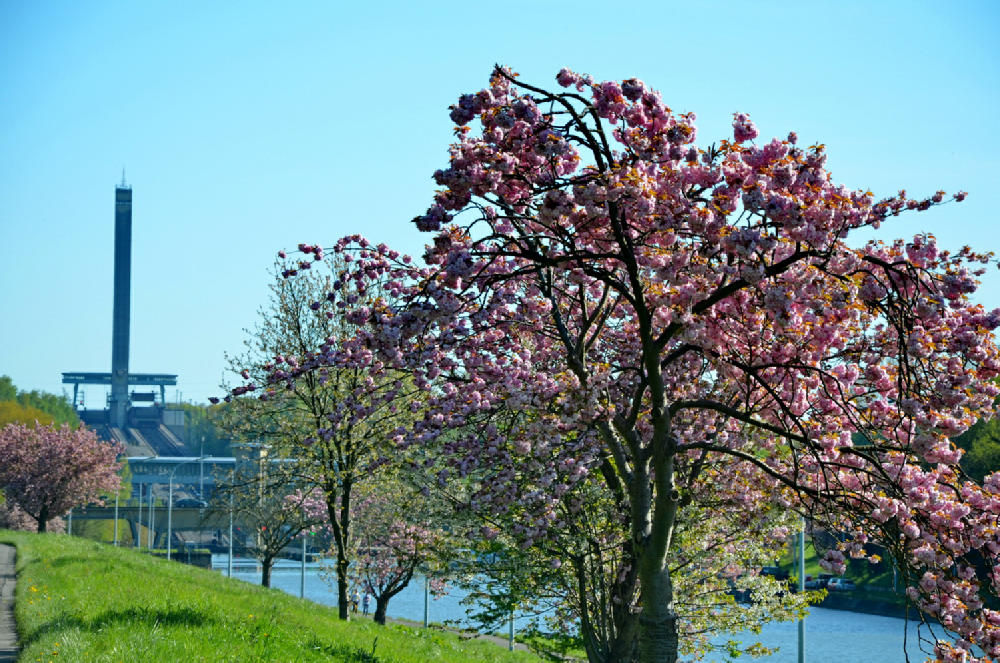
(565, 77)
(743, 128)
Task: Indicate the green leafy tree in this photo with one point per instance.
(203, 429)
(8, 391)
(982, 449)
(58, 407)
(337, 424)
(12, 412)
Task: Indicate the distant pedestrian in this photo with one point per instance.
(368, 600)
(356, 600)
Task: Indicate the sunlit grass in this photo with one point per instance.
(79, 600)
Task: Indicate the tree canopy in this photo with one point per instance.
(334, 424)
(12, 412)
(605, 303)
(57, 408)
(48, 470)
(203, 432)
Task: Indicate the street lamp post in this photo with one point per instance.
(230, 564)
(201, 471)
(427, 598)
(139, 528)
(302, 586)
(170, 501)
(802, 590)
(149, 529)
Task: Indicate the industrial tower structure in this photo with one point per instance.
(122, 305)
(144, 430)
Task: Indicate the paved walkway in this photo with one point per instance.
(8, 628)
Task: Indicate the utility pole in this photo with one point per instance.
(427, 599)
(230, 570)
(802, 589)
(302, 586)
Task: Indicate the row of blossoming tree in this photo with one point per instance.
(639, 356)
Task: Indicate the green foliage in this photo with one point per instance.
(982, 448)
(202, 423)
(8, 391)
(104, 530)
(125, 487)
(98, 530)
(12, 412)
(183, 613)
(58, 407)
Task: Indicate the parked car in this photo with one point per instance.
(820, 581)
(191, 503)
(775, 572)
(840, 584)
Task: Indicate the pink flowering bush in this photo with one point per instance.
(48, 470)
(389, 545)
(603, 302)
(14, 517)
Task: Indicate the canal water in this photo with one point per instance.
(832, 636)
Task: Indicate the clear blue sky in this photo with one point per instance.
(249, 127)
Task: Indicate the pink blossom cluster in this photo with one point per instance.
(15, 518)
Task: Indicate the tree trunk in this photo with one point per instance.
(43, 519)
(658, 621)
(343, 598)
(265, 578)
(41, 526)
(382, 600)
(623, 648)
(381, 605)
(341, 536)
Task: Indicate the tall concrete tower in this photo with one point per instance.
(120, 316)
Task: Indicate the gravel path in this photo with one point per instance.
(8, 628)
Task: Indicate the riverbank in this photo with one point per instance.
(853, 603)
(83, 600)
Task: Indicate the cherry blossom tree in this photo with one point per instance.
(46, 471)
(605, 301)
(273, 513)
(334, 421)
(395, 537)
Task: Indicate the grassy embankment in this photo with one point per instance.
(79, 600)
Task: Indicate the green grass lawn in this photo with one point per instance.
(78, 600)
